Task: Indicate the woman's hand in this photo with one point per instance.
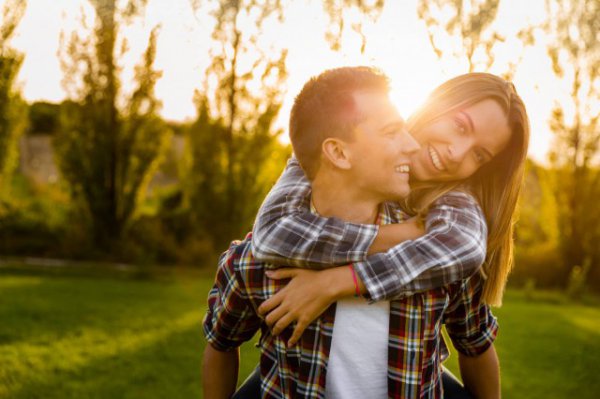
(305, 297)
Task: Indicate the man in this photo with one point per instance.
(354, 148)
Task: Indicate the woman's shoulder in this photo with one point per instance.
(458, 198)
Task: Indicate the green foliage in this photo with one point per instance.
(44, 118)
(36, 221)
(469, 21)
(537, 224)
(13, 110)
(108, 153)
(464, 30)
(577, 280)
(336, 11)
(574, 49)
(232, 148)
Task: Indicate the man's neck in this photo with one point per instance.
(334, 196)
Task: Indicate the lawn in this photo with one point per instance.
(132, 336)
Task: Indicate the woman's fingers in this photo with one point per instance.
(282, 323)
(271, 303)
(273, 317)
(298, 331)
(281, 274)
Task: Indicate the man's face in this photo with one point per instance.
(381, 150)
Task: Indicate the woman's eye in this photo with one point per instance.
(479, 157)
(460, 127)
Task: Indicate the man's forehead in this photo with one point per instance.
(369, 102)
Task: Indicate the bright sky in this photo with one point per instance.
(397, 43)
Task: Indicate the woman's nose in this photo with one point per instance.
(457, 151)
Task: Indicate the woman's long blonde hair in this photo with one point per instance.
(497, 184)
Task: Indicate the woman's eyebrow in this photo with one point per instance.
(469, 119)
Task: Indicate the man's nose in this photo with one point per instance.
(408, 144)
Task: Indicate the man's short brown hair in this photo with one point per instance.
(325, 107)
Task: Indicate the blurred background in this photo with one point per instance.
(139, 137)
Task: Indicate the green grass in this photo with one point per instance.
(65, 336)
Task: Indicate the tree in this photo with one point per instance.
(107, 152)
(536, 231)
(574, 29)
(43, 118)
(233, 150)
(13, 110)
(336, 11)
(463, 29)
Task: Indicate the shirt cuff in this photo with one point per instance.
(359, 241)
(477, 346)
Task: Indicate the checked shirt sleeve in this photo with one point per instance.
(230, 319)
(453, 249)
(470, 323)
(287, 233)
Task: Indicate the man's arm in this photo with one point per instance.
(230, 320)
(219, 373)
(473, 328)
(481, 374)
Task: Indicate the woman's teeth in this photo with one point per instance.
(435, 158)
(403, 169)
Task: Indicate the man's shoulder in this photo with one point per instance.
(239, 254)
(240, 264)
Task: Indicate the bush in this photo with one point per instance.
(539, 263)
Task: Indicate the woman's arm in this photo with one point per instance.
(287, 233)
(453, 249)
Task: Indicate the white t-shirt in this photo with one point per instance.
(358, 358)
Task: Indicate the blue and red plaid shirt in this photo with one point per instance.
(415, 346)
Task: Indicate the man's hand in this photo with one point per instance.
(219, 373)
(305, 297)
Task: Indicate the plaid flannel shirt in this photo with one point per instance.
(415, 345)
(454, 248)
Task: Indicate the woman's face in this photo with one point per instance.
(458, 144)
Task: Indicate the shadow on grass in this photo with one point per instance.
(165, 366)
(37, 309)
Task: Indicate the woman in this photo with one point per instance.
(473, 131)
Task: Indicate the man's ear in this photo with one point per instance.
(337, 152)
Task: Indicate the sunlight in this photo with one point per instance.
(85, 347)
(397, 43)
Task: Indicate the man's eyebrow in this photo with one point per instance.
(398, 124)
(469, 120)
